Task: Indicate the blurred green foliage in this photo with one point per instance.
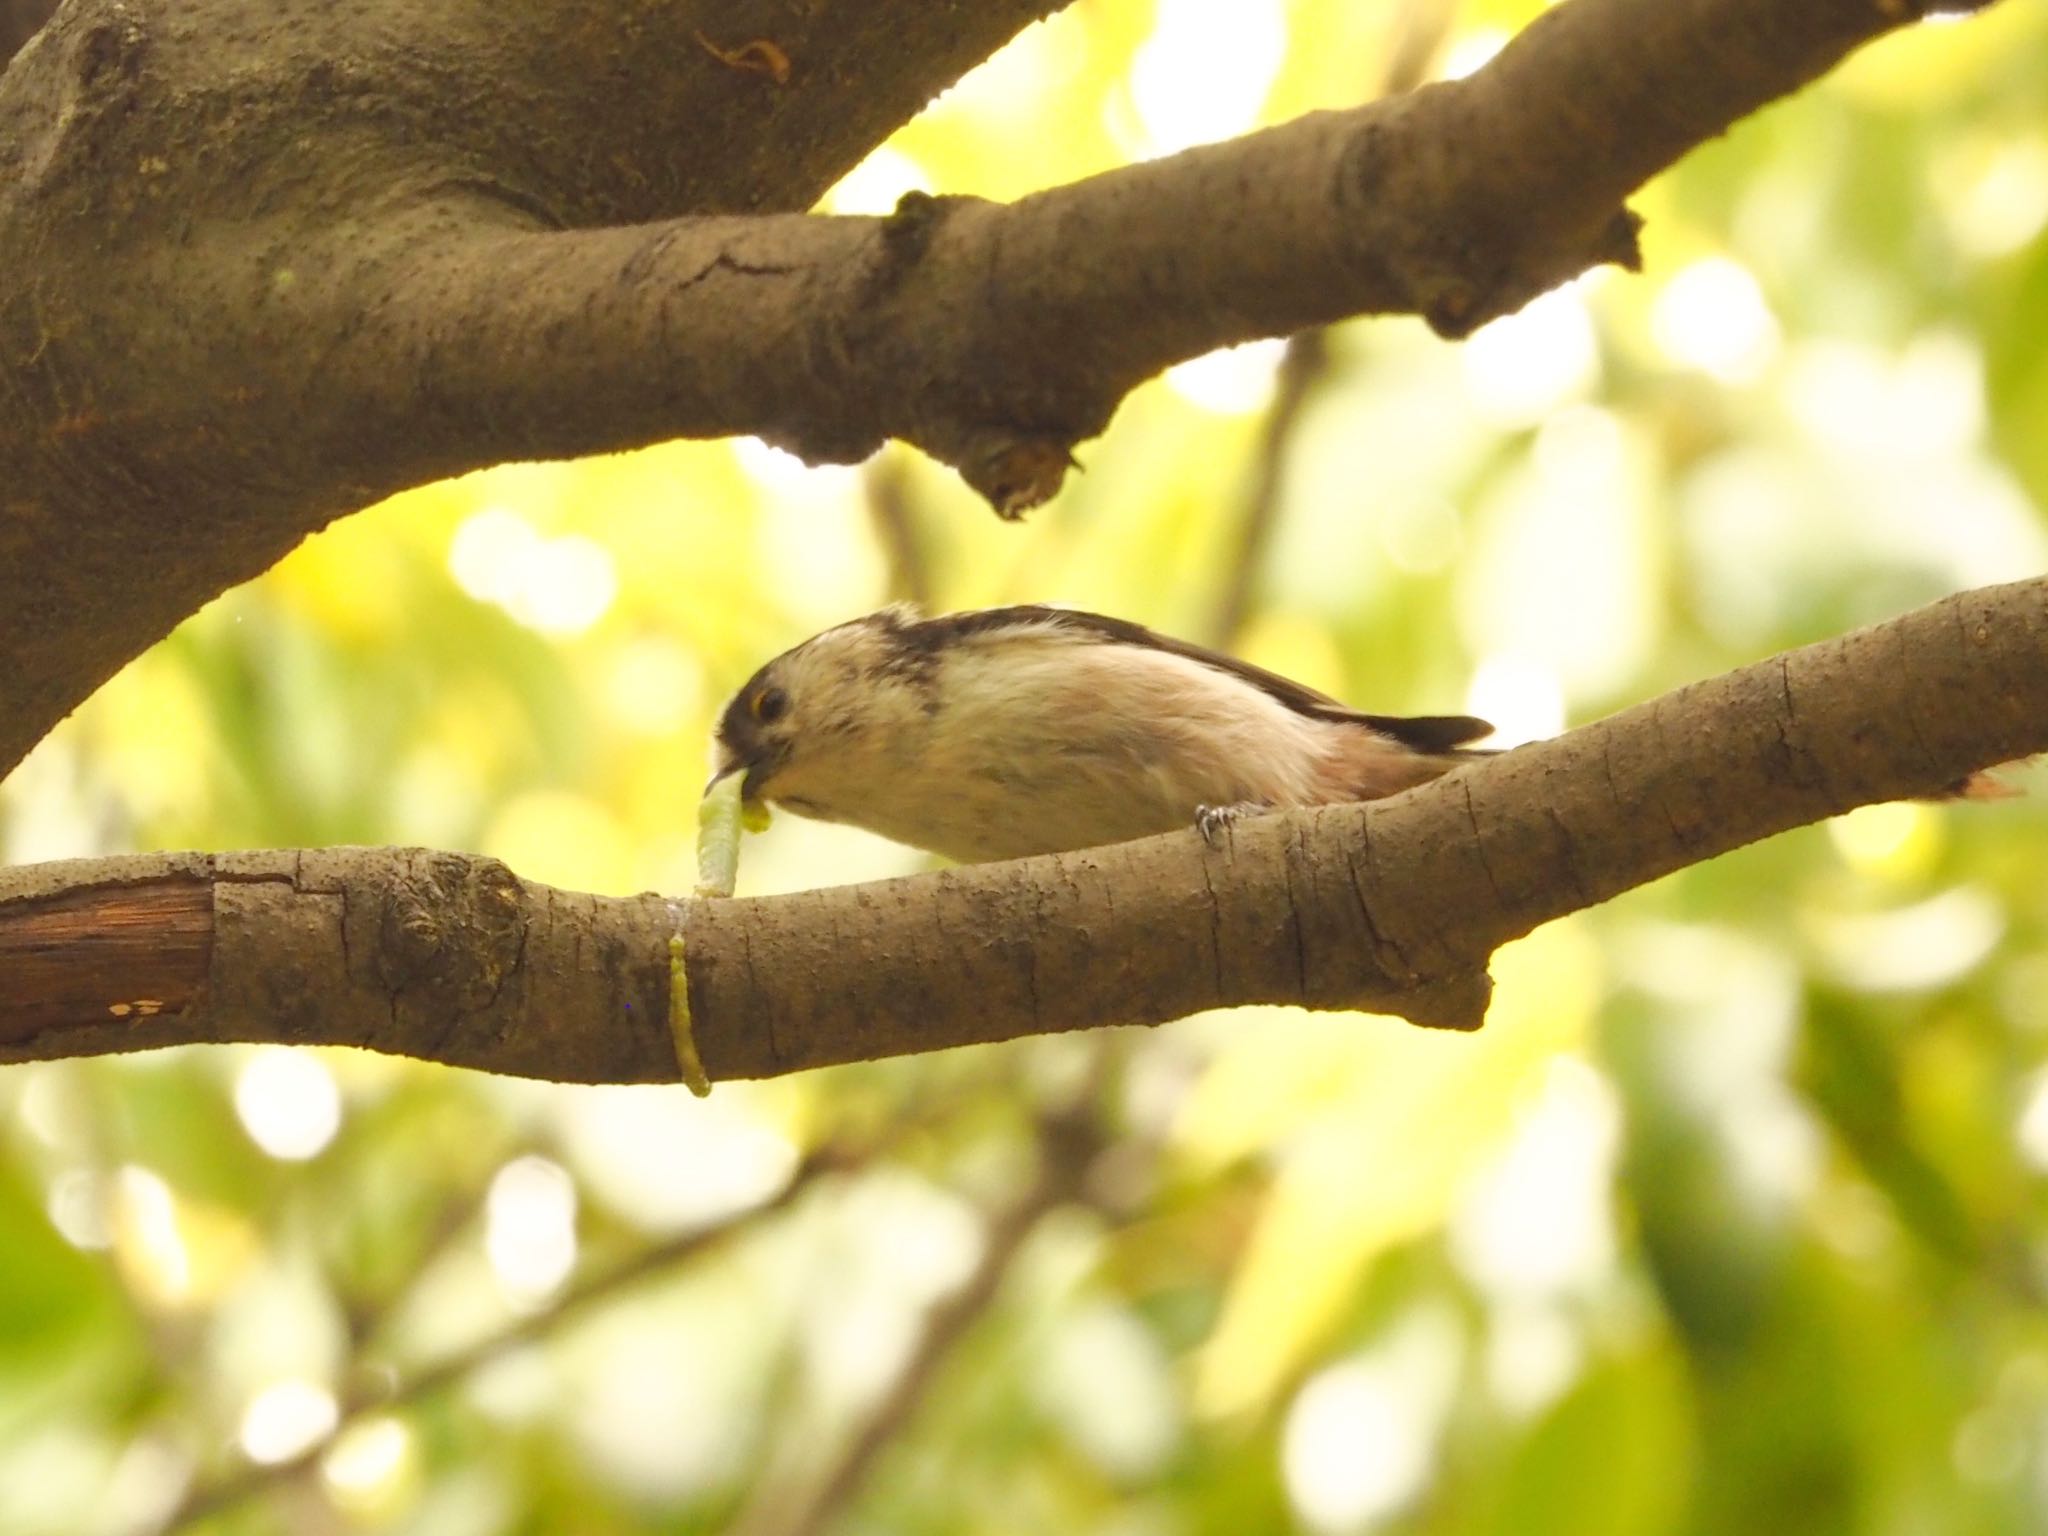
(1731, 1221)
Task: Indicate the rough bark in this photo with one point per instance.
(264, 261)
(257, 258)
(1393, 906)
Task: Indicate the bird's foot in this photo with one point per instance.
(1215, 821)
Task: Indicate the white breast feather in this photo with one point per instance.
(1053, 740)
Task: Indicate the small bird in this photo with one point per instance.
(1002, 732)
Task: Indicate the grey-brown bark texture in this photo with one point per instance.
(264, 261)
(1393, 906)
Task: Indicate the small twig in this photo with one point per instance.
(1069, 1141)
(759, 57)
(1419, 35)
(886, 482)
(1305, 361)
(206, 1501)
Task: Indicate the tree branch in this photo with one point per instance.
(1418, 32)
(1302, 366)
(1393, 906)
(208, 1499)
(893, 514)
(373, 244)
(228, 225)
(1068, 1140)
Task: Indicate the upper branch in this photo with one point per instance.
(997, 337)
(1394, 905)
(262, 261)
(205, 203)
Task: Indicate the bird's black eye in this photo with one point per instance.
(770, 705)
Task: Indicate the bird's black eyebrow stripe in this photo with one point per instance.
(1425, 733)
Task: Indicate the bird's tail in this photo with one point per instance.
(1367, 765)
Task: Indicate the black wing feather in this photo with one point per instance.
(1424, 733)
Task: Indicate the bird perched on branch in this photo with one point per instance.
(1003, 732)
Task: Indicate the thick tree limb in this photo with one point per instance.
(228, 225)
(1393, 906)
(246, 288)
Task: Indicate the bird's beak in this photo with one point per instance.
(725, 770)
(756, 767)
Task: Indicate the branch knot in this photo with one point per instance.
(451, 932)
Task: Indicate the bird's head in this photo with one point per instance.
(820, 711)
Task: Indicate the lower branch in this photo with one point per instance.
(1069, 1140)
(1393, 906)
(209, 1499)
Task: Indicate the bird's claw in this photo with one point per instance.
(1215, 821)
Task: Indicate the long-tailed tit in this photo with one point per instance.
(1010, 731)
